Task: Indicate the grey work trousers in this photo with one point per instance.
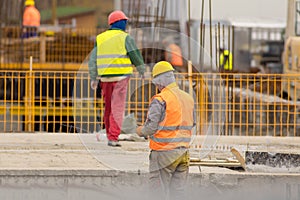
(168, 173)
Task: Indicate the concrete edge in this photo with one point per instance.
(115, 173)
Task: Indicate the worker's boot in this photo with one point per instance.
(113, 143)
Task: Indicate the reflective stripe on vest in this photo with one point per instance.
(173, 128)
(176, 129)
(169, 140)
(112, 59)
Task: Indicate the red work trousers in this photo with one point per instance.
(114, 94)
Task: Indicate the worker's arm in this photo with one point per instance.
(93, 68)
(135, 55)
(93, 64)
(156, 114)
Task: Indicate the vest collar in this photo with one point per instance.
(171, 86)
(117, 29)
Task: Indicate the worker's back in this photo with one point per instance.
(31, 16)
(174, 55)
(31, 20)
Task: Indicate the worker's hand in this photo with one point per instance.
(139, 131)
(141, 69)
(94, 84)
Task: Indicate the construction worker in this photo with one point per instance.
(31, 19)
(112, 59)
(169, 125)
(173, 53)
(225, 60)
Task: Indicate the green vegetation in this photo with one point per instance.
(64, 12)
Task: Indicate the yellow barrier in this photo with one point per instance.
(2, 110)
(226, 104)
(52, 111)
(44, 67)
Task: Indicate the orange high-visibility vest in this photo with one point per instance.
(31, 16)
(176, 129)
(173, 55)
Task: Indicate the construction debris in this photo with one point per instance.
(272, 162)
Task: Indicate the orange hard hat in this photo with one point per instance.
(116, 16)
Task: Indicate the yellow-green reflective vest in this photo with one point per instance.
(226, 63)
(112, 58)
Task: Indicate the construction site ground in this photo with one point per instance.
(78, 166)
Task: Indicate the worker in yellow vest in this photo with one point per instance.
(169, 124)
(31, 19)
(225, 60)
(112, 60)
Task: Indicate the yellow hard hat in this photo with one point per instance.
(161, 67)
(29, 2)
(49, 33)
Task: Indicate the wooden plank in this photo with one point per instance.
(230, 163)
(239, 157)
(216, 164)
(213, 160)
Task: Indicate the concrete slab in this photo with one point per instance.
(83, 151)
(77, 166)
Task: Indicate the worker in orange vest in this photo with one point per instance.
(31, 19)
(173, 53)
(169, 124)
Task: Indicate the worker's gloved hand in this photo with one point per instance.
(139, 131)
(94, 84)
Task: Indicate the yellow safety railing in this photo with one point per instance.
(48, 101)
(226, 104)
(56, 96)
